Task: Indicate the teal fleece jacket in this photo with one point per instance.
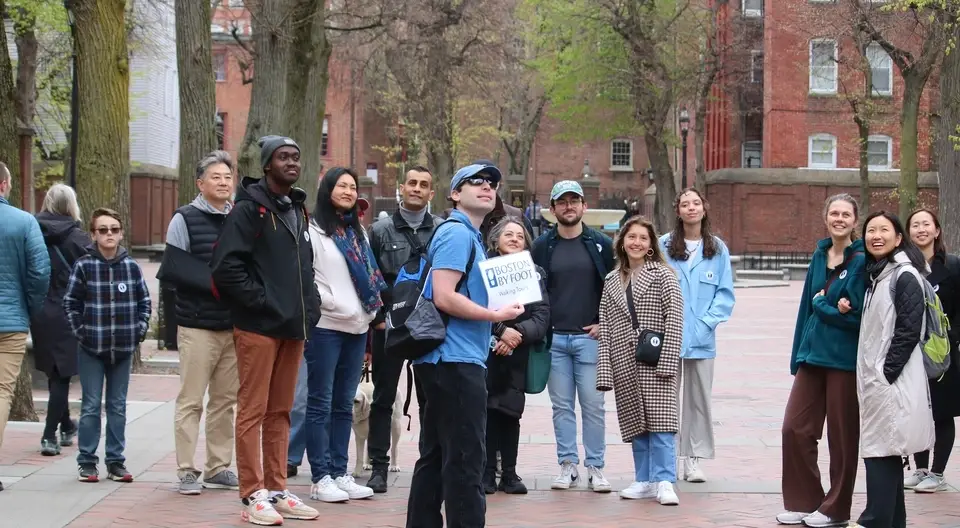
(824, 337)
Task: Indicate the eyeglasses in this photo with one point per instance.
(111, 230)
(564, 204)
(476, 182)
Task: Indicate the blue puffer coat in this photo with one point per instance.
(24, 268)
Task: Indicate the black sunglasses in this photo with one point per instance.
(480, 180)
(112, 230)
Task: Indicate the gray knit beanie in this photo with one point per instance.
(269, 144)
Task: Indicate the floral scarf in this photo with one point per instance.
(366, 276)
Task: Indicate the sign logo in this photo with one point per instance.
(843, 274)
(491, 277)
(655, 341)
(122, 287)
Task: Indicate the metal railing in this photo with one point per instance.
(773, 260)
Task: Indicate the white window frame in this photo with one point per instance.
(753, 69)
(743, 153)
(889, 65)
(621, 168)
(222, 57)
(836, 69)
(235, 3)
(884, 139)
(751, 12)
(325, 136)
(821, 137)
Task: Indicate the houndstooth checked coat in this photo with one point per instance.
(646, 396)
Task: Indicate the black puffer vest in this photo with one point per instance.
(194, 309)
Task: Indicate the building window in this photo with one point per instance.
(220, 124)
(621, 154)
(756, 66)
(822, 152)
(752, 154)
(234, 3)
(881, 69)
(752, 8)
(823, 66)
(879, 153)
(325, 139)
(220, 66)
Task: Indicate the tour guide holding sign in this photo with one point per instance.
(511, 279)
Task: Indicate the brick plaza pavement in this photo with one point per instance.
(750, 390)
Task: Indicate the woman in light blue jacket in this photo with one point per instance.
(702, 262)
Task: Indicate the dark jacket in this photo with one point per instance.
(945, 279)
(263, 268)
(823, 336)
(507, 375)
(390, 240)
(500, 210)
(54, 345)
(598, 245)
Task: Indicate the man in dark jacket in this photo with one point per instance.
(263, 268)
(208, 357)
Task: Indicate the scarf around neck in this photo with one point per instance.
(366, 276)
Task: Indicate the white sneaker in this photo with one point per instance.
(692, 471)
(665, 494)
(352, 489)
(596, 481)
(931, 484)
(567, 478)
(327, 491)
(819, 520)
(258, 509)
(639, 490)
(916, 478)
(289, 506)
(791, 517)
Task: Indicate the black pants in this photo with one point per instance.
(58, 407)
(386, 377)
(946, 434)
(503, 434)
(885, 505)
(452, 448)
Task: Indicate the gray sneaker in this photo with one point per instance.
(189, 484)
(226, 479)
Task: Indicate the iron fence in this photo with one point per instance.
(773, 260)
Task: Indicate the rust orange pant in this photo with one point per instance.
(267, 368)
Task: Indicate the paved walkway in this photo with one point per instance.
(751, 387)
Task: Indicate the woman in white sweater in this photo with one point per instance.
(349, 283)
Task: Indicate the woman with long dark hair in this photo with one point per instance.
(702, 262)
(892, 388)
(349, 283)
(923, 228)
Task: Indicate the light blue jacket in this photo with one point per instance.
(707, 286)
(24, 268)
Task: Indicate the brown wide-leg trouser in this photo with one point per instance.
(817, 394)
(267, 368)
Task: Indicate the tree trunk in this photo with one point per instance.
(441, 160)
(268, 96)
(198, 105)
(103, 74)
(21, 408)
(27, 47)
(909, 115)
(664, 180)
(863, 129)
(948, 157)
(699, 138)
(9, 140)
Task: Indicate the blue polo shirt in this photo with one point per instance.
(467, 341)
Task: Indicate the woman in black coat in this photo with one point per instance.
(923, 227)
(54, 346)
(507, 366)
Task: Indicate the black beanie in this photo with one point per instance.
(269, 144)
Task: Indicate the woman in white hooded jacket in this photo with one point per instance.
(895, 415)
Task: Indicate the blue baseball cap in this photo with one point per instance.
(488, 171)
(564, 187)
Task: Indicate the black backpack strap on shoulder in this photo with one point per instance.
(406, 402)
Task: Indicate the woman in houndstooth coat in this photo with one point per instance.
(646, 396)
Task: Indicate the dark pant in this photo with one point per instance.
(452, 448)
(387, 370)
(946, 434)
(503, 435)
(95, 372)
(885, 506)
(58, 407)
(820, 394)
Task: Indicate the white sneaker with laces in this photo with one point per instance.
(819, 520)
(596, 481)
(639, 490)
(289, 506)
(353, 490)
(257, 509)
(791, 517)
(327, 491)
(665, 494)
(692, 471)
(567, 478)
(914, 479)
(932, 483)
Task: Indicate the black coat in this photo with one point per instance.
(507, 375)
(945, 278)
(54, 346)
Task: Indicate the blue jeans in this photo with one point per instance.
(573, 373)
(298, 415)
(334, 363)
(92, 372)
(655, 457)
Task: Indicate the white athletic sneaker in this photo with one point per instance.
(567, 478)
(917, 477)
(639, 490)
(257, 509)
(692, 471)
(819, 520)
(931, 484)
(791, 517)
(665, 494)
(327, 491)
(596, 481)
(353, 490)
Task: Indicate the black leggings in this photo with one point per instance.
(945, 434)
(58, 407)
(503, 435)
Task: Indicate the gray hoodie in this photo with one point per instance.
(177, 234)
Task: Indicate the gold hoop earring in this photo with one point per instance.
(650, 252)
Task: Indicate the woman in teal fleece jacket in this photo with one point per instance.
(823, 361)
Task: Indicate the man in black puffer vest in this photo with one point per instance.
(208, 357)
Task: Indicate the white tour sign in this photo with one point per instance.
(510, 279)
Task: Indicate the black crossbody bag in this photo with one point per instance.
(649, 343)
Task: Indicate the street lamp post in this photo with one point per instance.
(684, 129)
(74, 96)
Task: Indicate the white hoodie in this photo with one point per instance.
(340, 308)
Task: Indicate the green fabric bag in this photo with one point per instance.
(538, 366)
